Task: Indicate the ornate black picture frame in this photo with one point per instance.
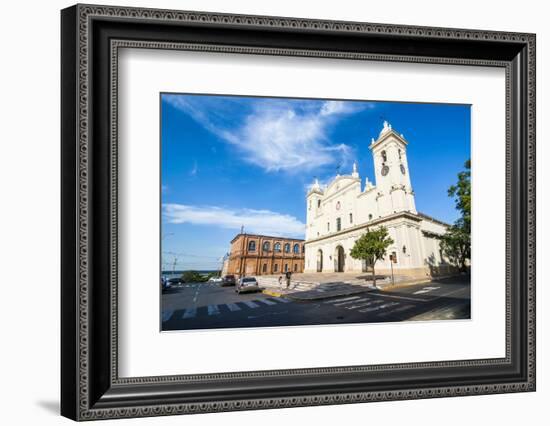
(91, 386)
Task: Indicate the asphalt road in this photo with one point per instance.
(208, 305)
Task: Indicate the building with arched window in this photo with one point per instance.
(252, 254)
(389, 202)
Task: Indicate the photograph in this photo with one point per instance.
(301, 212)
(273, 208)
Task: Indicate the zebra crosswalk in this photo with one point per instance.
(217, 309)
(374, 304)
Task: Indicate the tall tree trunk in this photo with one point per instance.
(373, 276)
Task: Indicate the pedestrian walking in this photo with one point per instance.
(288, 274)
(280, 280)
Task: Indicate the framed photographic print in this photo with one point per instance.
(263, 212)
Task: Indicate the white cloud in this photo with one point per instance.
(254, 221)
(276, 134)
(341, 107)
(194, 169)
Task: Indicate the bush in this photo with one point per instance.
(193, 276)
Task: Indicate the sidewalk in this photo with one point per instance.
(308, 291)
(322, 291)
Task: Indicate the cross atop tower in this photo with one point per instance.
(354, 172)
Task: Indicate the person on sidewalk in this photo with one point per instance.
(280, 280)
(288, 275)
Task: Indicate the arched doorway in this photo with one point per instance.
(339, 259)
(319, 260)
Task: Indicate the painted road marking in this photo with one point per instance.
(426, 290)
(352, 301)
(392, 296)
(196, 294)
(376, 308)
(267, 302)
(363, 305)
(189, 313)
(393, 311)
(343, 299)
(213, 310)
(250, 304)
(233, 307)
(166, 315)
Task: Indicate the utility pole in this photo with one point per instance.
(391, 266)
(174, 265)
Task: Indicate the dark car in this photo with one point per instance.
(229, 280)
(175, 281)
(164, 284)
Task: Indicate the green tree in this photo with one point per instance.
(193, 277)
(371, 247)
(462, 192)
(456, 242)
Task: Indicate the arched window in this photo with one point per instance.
(265, 247)
(304, 247)
(384, 157)
(351, 218)
(264, 268)
(318, 203)
(275, 268)
(277, 247)
(286, 267)
(399, 152)
(296, 249)
(252, 246)
(287, 248)
(370, 216)
(295, 267)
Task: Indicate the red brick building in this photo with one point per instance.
(265, 255)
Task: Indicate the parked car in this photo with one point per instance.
(215, 279)
(246, 285)
(165, 284)
(175, 281)
(229, 280)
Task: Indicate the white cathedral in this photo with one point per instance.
(338, 214)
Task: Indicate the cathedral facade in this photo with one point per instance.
(339, 213)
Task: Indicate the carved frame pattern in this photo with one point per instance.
(85, 409)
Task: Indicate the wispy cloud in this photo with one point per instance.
(255, 221)
(275, 134)
(194, 169)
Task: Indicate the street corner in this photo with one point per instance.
(389, 287)
(272, 293)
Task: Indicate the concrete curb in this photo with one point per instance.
(327, 295)
(273, 293)
(319, 296)
(426, 280)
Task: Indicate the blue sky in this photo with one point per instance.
(230, 161)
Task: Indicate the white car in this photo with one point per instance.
(215, 280)
(246, 285)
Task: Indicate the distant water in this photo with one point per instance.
(177, 274)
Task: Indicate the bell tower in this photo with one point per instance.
(393, 181)
(314, 209)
